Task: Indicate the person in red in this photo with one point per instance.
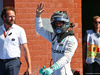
(12, 37)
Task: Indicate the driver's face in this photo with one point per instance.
(58, 23)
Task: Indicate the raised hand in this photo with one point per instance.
(39, 9)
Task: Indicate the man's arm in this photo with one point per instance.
(27, 58)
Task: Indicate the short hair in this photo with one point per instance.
(4, 11)
(95, 17)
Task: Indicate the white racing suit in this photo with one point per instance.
(61, 52)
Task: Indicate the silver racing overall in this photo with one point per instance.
(62, 48)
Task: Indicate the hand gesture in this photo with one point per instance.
(39, 9)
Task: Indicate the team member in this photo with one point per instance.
(91, 48)
(12, 37)
(63, 42)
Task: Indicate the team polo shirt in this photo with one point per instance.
(11, 40)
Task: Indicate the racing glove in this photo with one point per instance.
(55, 66)
(50, 70)
(41, 71)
